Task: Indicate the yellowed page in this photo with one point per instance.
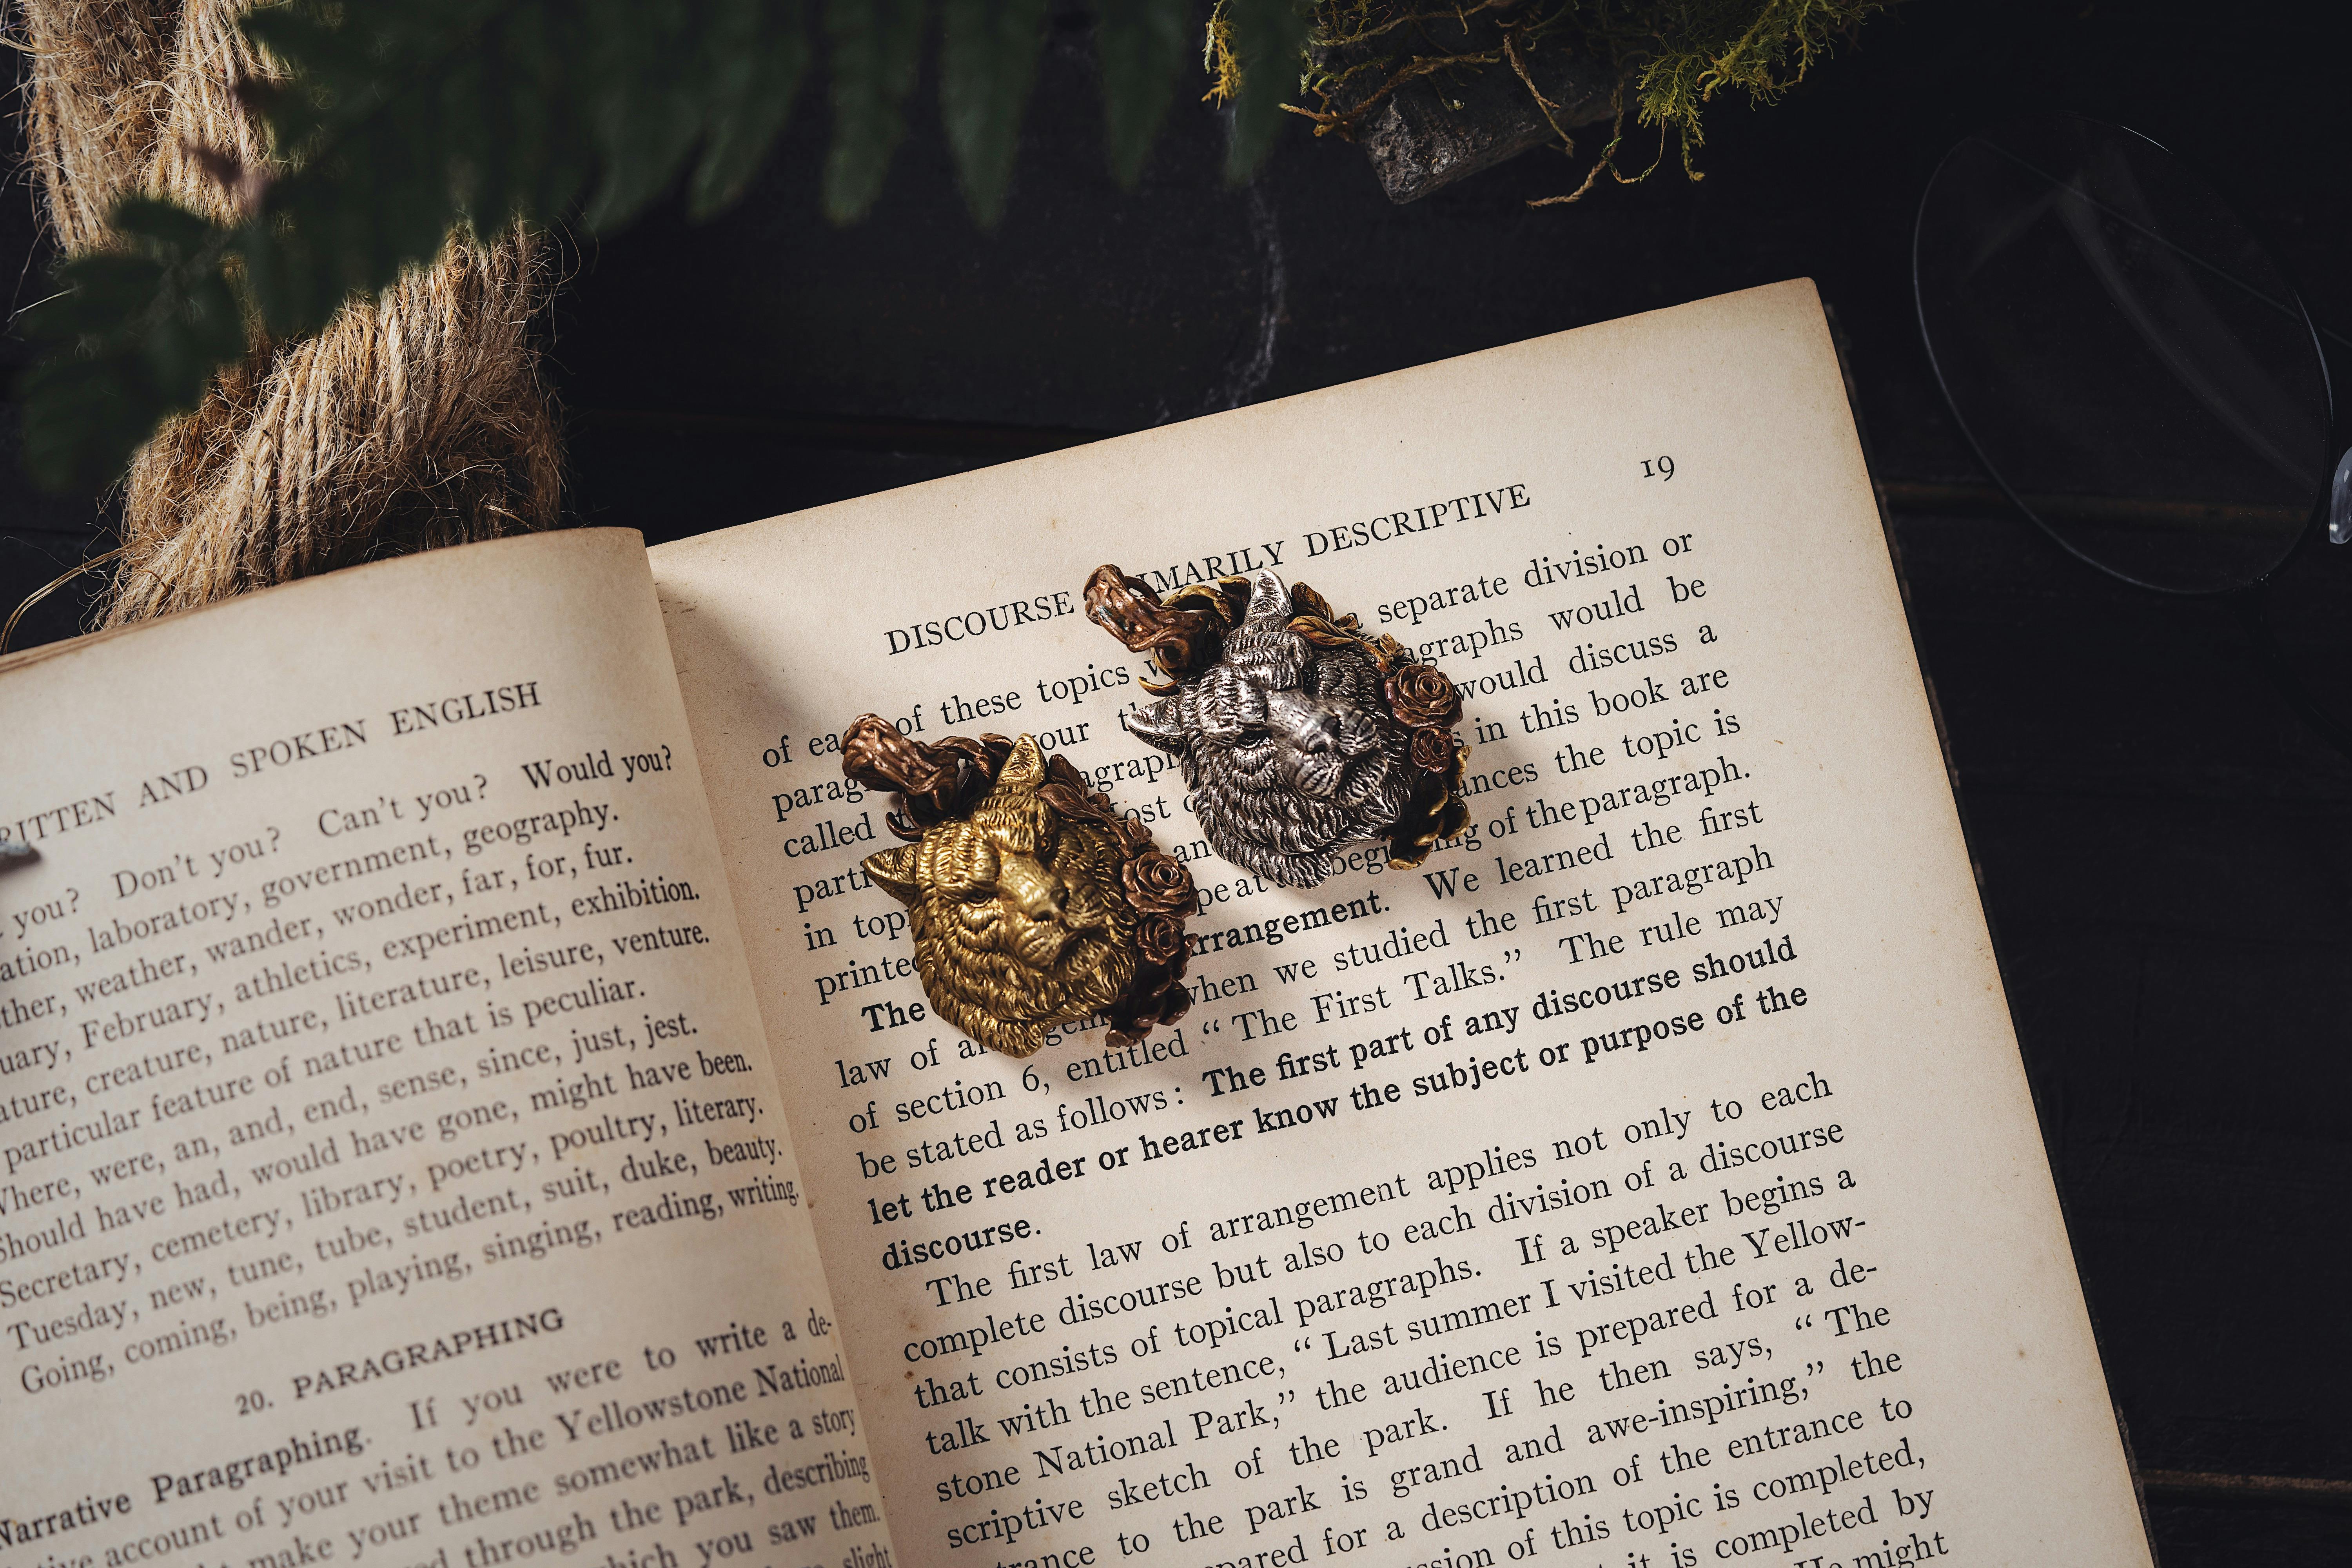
(1789, 1285)
(391, 1175)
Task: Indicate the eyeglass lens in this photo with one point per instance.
(2124, 353)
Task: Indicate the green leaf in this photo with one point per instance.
(134, 338)
(755, 55)
(876, 46)
(396, 121)
(405, 120)
(988, 62)
(646, 106)
(1270, 39)
(515, 113)
(168, 232)
(1142, 45)
(351, 214)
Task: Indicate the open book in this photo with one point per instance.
(462, 1104)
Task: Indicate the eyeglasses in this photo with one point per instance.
(2133, 364)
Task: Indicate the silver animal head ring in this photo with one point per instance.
(1298, 734)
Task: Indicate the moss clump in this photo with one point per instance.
(1670, 59)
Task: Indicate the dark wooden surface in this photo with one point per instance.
(2165, 851)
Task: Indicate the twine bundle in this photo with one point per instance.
(413, 420)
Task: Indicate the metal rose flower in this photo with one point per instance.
(1159, 939)
(1419, 694)
(1157, 883)
(1433, 749)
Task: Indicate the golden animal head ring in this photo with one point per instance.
(1299, 734)
(1034, 904)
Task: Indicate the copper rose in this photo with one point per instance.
(1420, 695)
(1157, 883)
(1433, 750)
(1159, 939)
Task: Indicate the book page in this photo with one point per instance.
(1650, 1178)
(391, 1172)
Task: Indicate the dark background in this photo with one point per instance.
(2165, 851)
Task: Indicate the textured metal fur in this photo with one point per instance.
(1289, 747)
(1019, 922)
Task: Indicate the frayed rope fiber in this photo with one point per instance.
(414, 420)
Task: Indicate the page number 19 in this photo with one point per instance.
(1657, 468)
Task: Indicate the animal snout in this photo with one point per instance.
(1308, 725)
(1033, 890)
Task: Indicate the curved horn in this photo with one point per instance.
(932, 782)
(1182, 640)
